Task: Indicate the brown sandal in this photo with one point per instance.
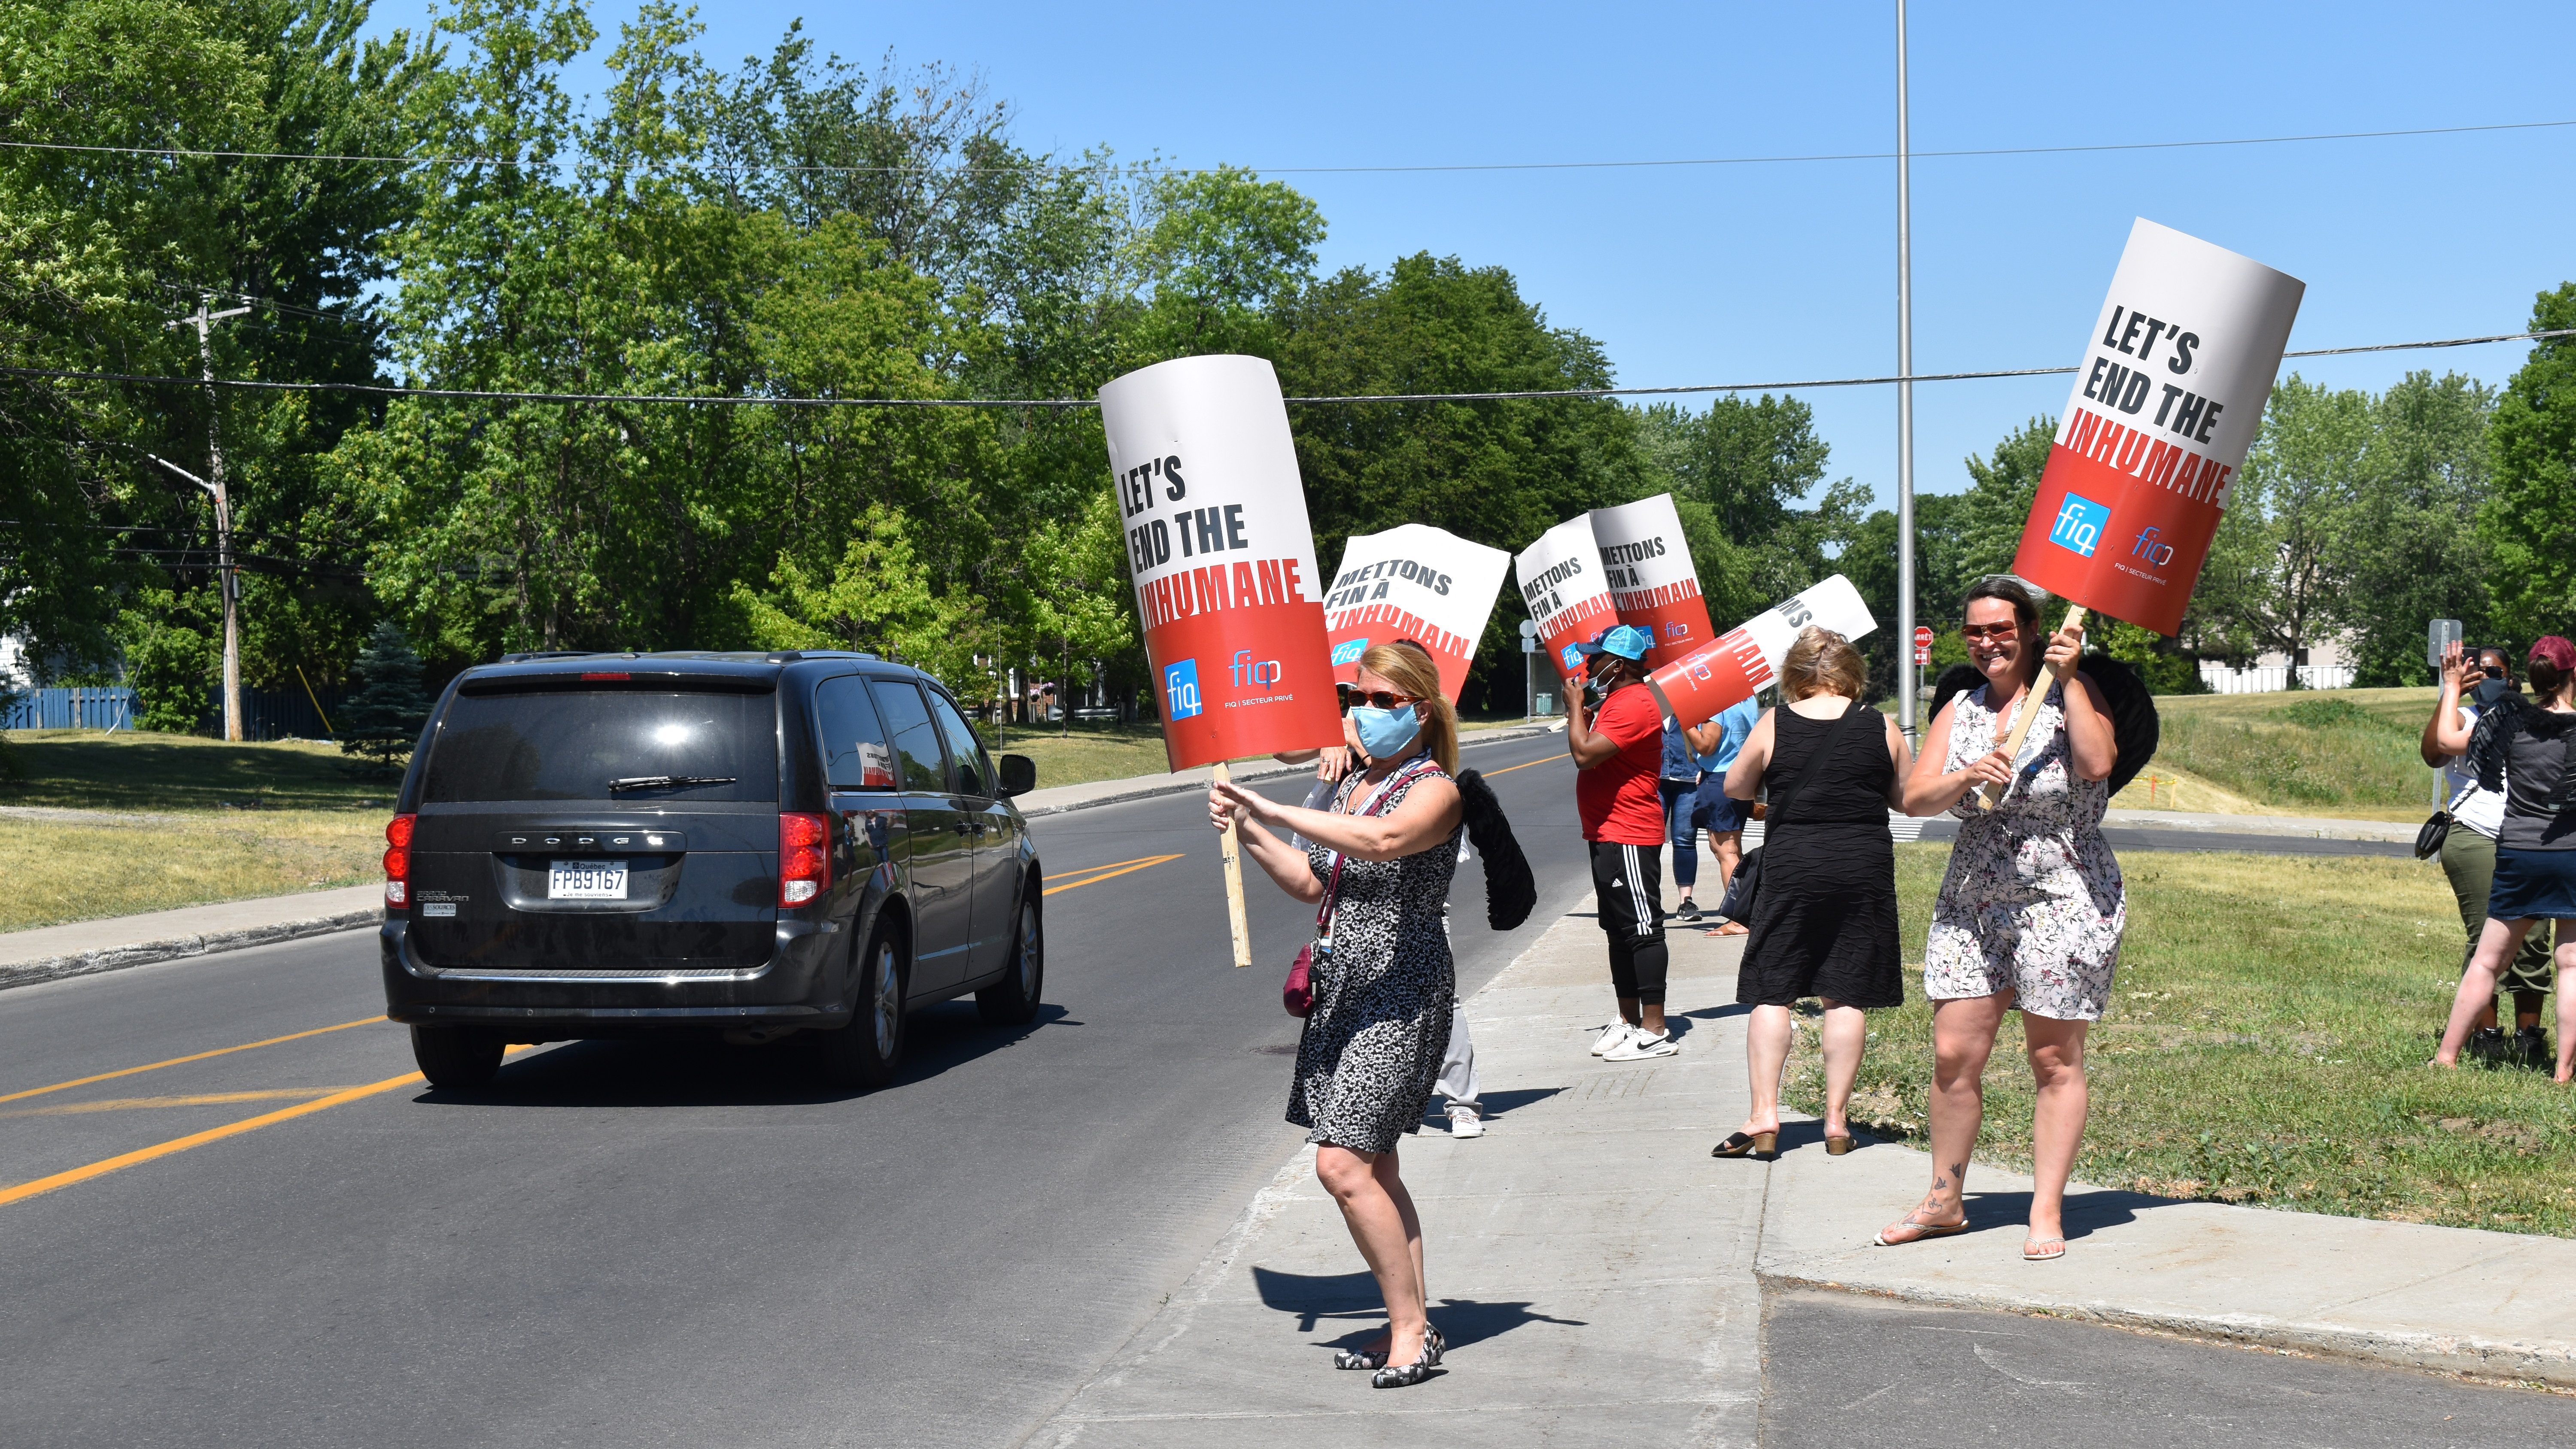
(1763, 1145)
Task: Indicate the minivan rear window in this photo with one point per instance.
(560, 744)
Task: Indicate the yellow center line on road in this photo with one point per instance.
(1112, 865)
(1107, 873)
(101, 1168)
(176, 1145)
(200, 1099)
(1507, 769)
(180, 1061)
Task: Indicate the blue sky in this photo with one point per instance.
(1756, 272)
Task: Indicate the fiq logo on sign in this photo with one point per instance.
(1349, 651)
(1260, 673)
(2079, 524)
(2152, 547)
(1181, 690)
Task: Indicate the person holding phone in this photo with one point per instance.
(1616, 735)
(2474, 682)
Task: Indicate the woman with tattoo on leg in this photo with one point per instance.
(2030, 914)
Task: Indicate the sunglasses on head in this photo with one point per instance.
(1375, 699)
(1974, 632)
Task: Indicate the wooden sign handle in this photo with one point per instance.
(2028, 711)
(1229, 851)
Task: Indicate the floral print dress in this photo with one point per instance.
(2033, 903)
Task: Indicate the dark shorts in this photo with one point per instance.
(2533, 883)
(1718, 814)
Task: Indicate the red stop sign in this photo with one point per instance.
(1922, 636)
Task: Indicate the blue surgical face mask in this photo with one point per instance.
(1385, 732)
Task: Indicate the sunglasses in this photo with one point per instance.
(1974, 632)
(1376, 699)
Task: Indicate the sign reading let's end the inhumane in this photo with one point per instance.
(1222, 559)
(2164, 409)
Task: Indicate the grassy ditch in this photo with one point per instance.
(2339, 752)
(2266, 1045)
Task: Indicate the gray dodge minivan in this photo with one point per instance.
(744, 845)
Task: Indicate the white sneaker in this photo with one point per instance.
(1611, 1036)
(1640, 1046)
(1465, 1120)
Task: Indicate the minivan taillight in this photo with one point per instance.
(398, 860)
(804, 859)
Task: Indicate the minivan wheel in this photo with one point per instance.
(1013, 1000)
(866, 1052)
(457, 1058)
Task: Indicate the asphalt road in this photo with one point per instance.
(1846, 1372)
(632, 1244)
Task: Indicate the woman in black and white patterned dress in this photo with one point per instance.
(1385, 991)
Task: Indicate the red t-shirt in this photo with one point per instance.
(1617, 798)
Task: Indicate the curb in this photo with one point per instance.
(2549, 1363)
(1166, 786)
(146, 953)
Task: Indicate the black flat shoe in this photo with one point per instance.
(1762, 1145)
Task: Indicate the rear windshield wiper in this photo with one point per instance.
(653, 782)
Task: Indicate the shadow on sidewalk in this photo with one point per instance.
(1316, 1297)
(2086, 1212)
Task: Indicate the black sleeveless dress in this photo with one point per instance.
(1824, 919)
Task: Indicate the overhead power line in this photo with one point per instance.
(461, 394)
(184, 153)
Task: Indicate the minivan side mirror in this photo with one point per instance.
(1019, 775)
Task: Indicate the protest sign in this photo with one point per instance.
(1561, 583)
(1648, 569)
(1222, 559)
(2177, 368)
(1224, 569)
(1413, 582)
(1695, 687)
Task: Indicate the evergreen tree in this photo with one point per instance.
(384, 718)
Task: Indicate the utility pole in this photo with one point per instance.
(1908, 703)
(227, 578)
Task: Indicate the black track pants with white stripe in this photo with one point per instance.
(1628, 887)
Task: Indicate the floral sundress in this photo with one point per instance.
(2033, 903)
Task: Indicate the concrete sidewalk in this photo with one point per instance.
(84, 947)
(2446, 1299)
(1590, 1265)
(1602, 1279)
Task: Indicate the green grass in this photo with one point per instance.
(2266, 1045)
(91, 770)
(1089, 752)
(2332, 752)
(185, 821)
(89, 868)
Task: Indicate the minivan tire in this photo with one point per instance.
(1013, 1000)
(457, 1058)
(865, 1053)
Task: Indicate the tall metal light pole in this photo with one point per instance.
(228, 580)
(1906, 703)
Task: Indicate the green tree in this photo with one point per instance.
(382, 718)
(1754, 465)
(172, 652)
(2276, 577)
(2002, 485)
(1499, 473)
(2529, 519)
(2409, 546)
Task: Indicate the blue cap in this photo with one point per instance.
(1623, 640)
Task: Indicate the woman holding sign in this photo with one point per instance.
(1377, 865)
(2030, 914)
